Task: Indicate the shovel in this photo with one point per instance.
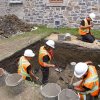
(73, 65)
(71, 82)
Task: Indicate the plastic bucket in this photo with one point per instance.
(72, 64)
(14, 83)
(51, 91)
(68, 94)
(2, 77)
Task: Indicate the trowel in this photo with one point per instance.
(58, 69)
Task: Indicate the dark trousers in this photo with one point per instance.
(45, 73)
(88, 38)
(89, 97)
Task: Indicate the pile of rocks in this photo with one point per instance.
(11, 24)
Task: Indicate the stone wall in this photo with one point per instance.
(69, 13)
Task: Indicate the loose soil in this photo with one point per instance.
(11, 24)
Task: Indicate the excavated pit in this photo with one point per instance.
(64, 54)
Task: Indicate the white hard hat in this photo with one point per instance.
(29, 53)
(92, 16)
(80, 69)
(51, 43)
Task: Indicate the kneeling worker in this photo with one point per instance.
(85, 29)
(88, 86)
(45, 57)
(25, 68)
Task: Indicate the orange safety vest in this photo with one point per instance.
(84, 31)
(43, 52)
(22, 68)
(91, 82)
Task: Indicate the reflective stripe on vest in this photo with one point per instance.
(24, 62)
(94, 79)
(84, 31)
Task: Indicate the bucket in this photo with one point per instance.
(2, 77)
(73, 64)
(51, 91)
(61, 37)
(68, 94)
(68, 37)
(14, 83)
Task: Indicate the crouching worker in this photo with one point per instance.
(24, 66)
(88, 86)
(85, 29)
(45, 56)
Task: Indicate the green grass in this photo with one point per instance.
(73, 31)
(96, 33)
(43, 31)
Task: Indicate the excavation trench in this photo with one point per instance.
(64, 54)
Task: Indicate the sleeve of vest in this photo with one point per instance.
(82, 23)
(28, 69)
(89, 85)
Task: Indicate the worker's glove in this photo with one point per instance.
(70, 86)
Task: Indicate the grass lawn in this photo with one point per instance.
(43, 32)
(74, 31)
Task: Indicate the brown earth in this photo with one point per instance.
(64, 54)
(11, 24)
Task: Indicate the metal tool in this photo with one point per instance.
(58, 68)
(39, 81)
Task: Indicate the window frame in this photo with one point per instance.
(55, 4)
(56, 1)
(15, 1)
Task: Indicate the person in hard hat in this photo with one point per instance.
(88, 86)
(45, 56)
(24, 65)
(85, 29)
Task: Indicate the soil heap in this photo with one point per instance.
(11, 24)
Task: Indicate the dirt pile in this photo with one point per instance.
(11, 24)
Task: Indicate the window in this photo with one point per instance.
(56, 1)
(15, 1)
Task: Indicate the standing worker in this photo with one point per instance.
(45, 57)
(85, 29)
(25, 68)
(88, 86)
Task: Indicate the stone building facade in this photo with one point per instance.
(53, 13)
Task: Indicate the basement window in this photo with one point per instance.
(15, 1)
(56, 1)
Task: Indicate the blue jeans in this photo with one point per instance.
(88, 38)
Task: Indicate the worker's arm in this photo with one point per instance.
(82, 25)
(45, 60)
(30, 72)
(81, 89)
(32, 75)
